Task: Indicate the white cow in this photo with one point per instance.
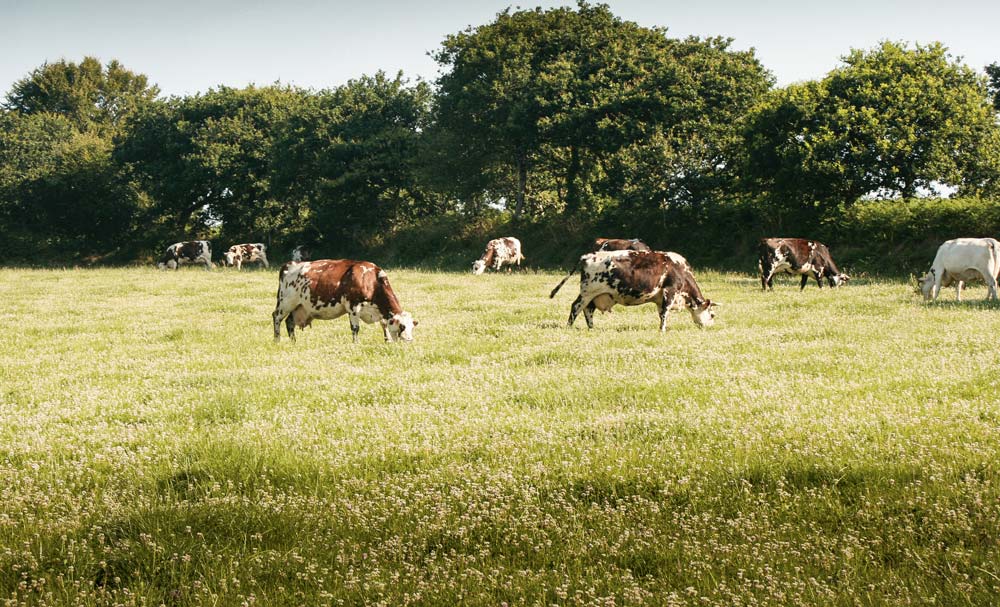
(961, 260)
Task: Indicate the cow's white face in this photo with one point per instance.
(400, 327)
(170, 265)
(840, 279)
(703, 315)
(229, 258)
(926, 285)
(478, 267)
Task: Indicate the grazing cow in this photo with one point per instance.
(329, 288)
(193, 251)
(633, 278)
(619, 244)
(239, 253)
(960, 260)
(499, 251)
(301, 253)
(797, 256)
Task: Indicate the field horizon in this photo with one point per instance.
(823, 447)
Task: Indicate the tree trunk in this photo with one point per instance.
(572, 185)
(522, 185)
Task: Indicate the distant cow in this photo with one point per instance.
(633, 278)
(193, 251)
(797, 256)
(301, 253)
(619, 244)
(238, 254)
(499, 252)
(961, 260)
(329, 288)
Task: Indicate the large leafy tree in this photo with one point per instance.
(206, 161)
(893, 121)
(566, 92)
(347, 157)
(60, 191)
(92, 96)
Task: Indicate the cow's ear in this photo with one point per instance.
(415, 322)
(713, 303)
(393, 321)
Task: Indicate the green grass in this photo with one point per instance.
(815, 448)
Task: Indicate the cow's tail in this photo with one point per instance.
(575, 269)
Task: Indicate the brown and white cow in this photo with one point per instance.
(633, 278)
(238, 254)
(959, 261)
(193, 251)
(619, 244)
(329, 288)
(499, 252)
(797, 256)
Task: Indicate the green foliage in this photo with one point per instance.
(348, 156)
(587, 102)
(993, 83)
(91, 96)
(893, 121)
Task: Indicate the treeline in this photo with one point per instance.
(553, 123)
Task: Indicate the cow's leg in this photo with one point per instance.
(263, 259)
(665, 310)
(958, 290)
(991, 286)
(239, 264)
(355, 325)
(574, 310)
(588, 314)
(764, 273)
(276, 317)
(819, 278)
(936, 289)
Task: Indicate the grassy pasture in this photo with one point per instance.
(815, 448)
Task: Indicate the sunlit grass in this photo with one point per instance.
(815, 448)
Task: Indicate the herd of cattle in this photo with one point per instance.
(615, 271)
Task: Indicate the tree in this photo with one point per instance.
(566, 92)
(348, 157)
(892, 121)
(92, 97)
(206, 160)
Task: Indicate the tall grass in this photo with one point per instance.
(814, 448)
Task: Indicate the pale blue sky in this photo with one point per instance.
(187, 46)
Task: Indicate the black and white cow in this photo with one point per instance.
(961, 260)
(633, 278)
(192, 251)
(238, 254)
(499, 252)
(797, 256)
(329, 288)
(301, 253)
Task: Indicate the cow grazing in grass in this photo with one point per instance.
(193, 251)
(633, 278)
(797, 256)
(961, 260)
(619, 244)
(301, 253)
(329, 288)
(238, 254)
(499, 252)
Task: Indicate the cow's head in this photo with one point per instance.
(229, 258)
(836, 280)
(703, 314)
(166, 265)
(478, 267)
(399, 327)
(926, 285)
